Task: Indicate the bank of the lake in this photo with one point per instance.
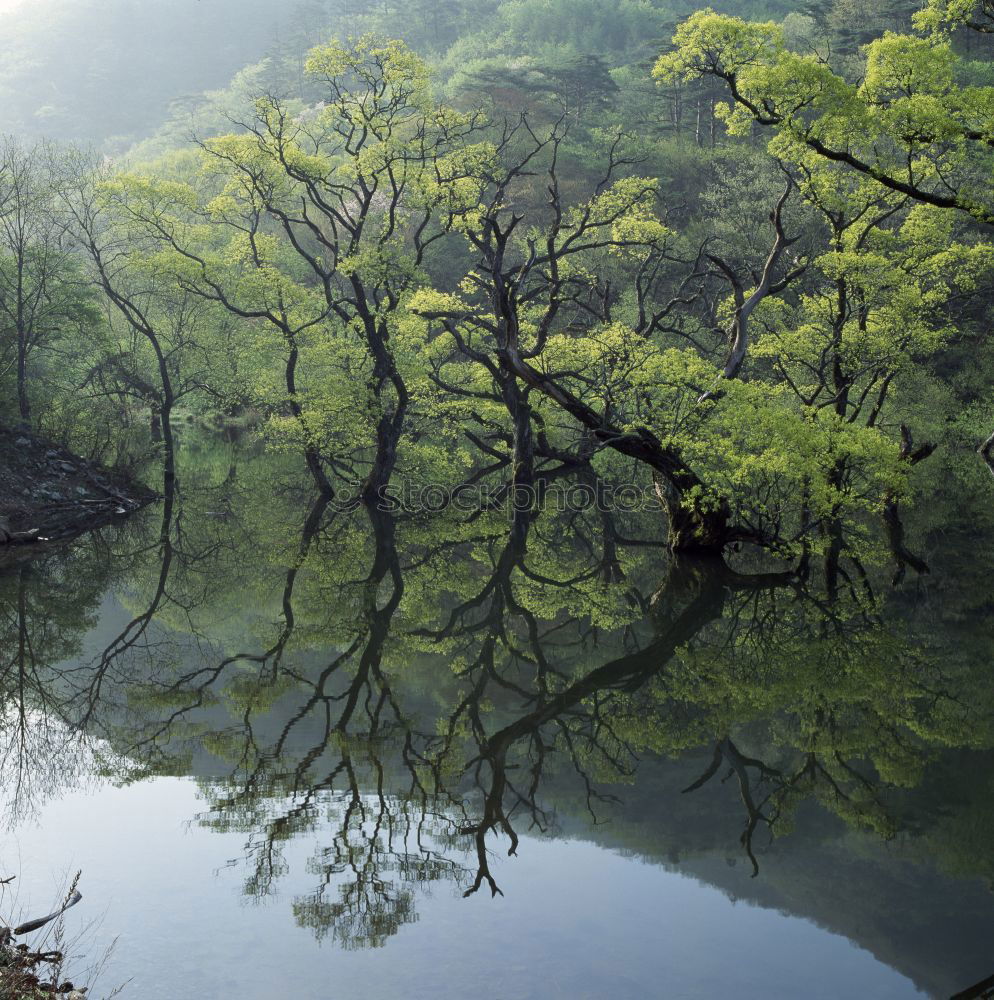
(48, 493)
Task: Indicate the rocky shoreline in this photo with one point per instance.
(48, 494)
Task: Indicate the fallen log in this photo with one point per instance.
(31, 537)
(33, 925)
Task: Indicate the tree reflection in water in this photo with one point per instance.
(414, 693)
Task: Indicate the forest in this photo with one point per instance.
(487, 409)
(746, 270)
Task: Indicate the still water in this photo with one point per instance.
(300, 751)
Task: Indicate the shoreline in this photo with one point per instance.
(47, 493)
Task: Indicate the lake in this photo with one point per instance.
(306, 748)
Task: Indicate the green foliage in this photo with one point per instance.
(909, 125)
(317, 265)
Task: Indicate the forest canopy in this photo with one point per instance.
(743, 265)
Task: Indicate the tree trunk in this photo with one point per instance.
(311, 454)
(700, 526)
(693, 529)
(22, 377)
(986, 451)
(522, 496)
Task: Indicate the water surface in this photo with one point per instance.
(299, 750)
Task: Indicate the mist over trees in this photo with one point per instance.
(112, 71)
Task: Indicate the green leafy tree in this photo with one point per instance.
(916, 125)
(46, 304)
(314, 228)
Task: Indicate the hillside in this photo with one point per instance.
(92, 70)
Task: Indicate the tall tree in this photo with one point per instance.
(317, 226)
(913, 125)
(44, 296)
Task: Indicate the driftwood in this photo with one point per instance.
(33, 925)
(31, 537)
(20, 967)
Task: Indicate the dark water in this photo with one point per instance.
(305, 752)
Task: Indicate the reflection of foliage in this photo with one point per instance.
(45, 606)
(838, 705)
(407, 693)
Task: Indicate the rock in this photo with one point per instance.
(22, 442)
